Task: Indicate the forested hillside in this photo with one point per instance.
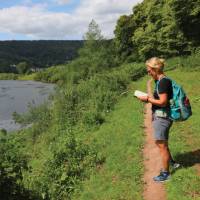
(159, 27)
(38, 54)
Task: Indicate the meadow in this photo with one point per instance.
(88, 143)
(121, 176)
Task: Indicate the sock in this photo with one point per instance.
(165, 172)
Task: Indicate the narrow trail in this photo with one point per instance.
(152, 161)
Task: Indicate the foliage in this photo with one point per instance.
(12, 164)
(68, 166)
(187, 16)
(66, 156)
(91, 99)
(49, 75)
(59, 147)
(158, 28)
(8, 76)
(123, 34)
(93, 33)
(40, 54)
(97, 53)
(185, 63)
(23, 67)
(120, 140)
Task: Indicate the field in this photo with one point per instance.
(89, 145)
(122, 140)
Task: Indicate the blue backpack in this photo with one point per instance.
(180, 108)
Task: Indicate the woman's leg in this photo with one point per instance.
(165, 153)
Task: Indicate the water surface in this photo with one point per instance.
(15, 97)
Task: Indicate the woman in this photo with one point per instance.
(160, 113)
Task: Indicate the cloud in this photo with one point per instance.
(105, 13)
(63, 2)
(36, 22)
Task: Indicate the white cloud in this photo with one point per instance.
(37, 22)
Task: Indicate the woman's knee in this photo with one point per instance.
(162, 144)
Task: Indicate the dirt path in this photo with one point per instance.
(152, 162)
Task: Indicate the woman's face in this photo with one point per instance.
(152, 73)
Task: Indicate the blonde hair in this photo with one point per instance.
(156, 63)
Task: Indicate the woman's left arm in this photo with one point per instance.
(161, 102)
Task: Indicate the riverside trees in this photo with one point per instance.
(162, 28)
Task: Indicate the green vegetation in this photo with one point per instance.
(120, 140)
(75, 147)
(12, 164)
(87, 142)
(8, 76)
(60, 150)
(184, 143)
(23, 68)
(164, 28)
(39, 54)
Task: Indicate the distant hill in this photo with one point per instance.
(40, 54)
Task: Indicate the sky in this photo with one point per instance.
(59, 19)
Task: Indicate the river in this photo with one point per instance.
(16, 95)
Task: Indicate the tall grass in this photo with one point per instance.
(187, 63)
(8, 76)
(184, 142)
(120, 141)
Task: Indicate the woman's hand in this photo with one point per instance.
(143, 98)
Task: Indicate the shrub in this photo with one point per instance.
(71, 163)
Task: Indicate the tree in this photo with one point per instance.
(97, 52)
(93, 33)
(23, 67)
(92, 39)
(159, 28)
(123, 33)
(4, 66)
(187, 16)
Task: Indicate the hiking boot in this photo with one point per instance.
(174, 164)
(163, 176)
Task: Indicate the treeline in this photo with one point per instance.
(159, 28)
(36, 54)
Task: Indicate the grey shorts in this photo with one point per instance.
(161, 127)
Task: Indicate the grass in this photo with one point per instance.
(121, 139)
(11, 76)
(184, 143)
(26, 77)
(121, 143)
